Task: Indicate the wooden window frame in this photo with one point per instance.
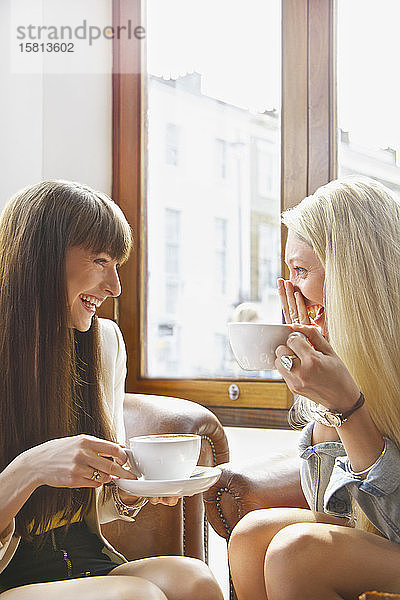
(308, 159)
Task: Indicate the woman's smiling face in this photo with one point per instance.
(90, 279)
(306, 271)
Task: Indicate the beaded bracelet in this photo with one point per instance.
(126, 510)
(361, 474)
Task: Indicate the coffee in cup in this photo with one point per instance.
(254, 344)
(164, 456)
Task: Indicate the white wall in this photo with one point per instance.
(53, 125)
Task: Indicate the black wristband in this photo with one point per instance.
(334, 418)
(345, 415)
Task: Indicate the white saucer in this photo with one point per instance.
(202, 479)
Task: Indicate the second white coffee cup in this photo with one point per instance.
(164, 456)
(254, 344)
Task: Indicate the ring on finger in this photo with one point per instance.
(96, 476)
(287, 361)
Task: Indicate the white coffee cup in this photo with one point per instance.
(164, 456)
(254, 344)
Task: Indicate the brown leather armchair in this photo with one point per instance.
(271, 481)
(164, 530)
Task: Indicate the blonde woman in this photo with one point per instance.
(61, 404)
(343, 254)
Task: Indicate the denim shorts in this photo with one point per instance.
(66, 554)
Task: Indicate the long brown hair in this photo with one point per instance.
(50, 384)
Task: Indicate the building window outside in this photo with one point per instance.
(222, 354)
(172, 241)
(172, 144)
(172, 297)
(172, 259)
(266, 169)
(167, 349)
(268, 272)
(221, 226)
(221, 162)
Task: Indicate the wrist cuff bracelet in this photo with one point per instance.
(126, 510)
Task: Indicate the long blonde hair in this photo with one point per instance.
(353, 225)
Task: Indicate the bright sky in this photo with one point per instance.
(236, 47)
(368, 71)
(234, 44)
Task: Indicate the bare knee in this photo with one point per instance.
(179, 577)
(93, 588)
(255, 529)
(134, 588)
(300, 542)
(201, 580)
(294, 551)
(250, 524)
(247, 547)
(292, 545)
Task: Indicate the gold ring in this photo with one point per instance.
(96, 476)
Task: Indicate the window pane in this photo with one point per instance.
(368, 91)
(213, 179)
(172, 144)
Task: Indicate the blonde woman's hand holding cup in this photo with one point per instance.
(317, 372)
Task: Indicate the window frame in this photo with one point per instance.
(308, 160)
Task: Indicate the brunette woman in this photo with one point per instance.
(61, 407)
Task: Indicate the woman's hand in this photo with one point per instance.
(166, 500)
(317, 372)
(294, 306)
(130, 499)
(72, 462)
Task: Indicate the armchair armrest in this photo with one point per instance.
(169, 530)
(272, 481)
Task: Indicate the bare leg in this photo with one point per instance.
(180, 578)
(249, 542)
(88, 588)
(311, 561)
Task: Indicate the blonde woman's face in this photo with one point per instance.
(306, 271)
(91, 278)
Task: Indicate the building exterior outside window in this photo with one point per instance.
(221, 158)
(172, 144)
(221, 254)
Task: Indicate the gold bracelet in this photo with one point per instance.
(126, 510)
